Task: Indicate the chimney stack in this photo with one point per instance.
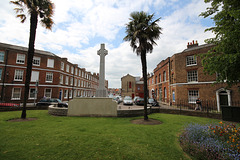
(192, 44)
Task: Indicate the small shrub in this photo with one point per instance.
(211, 141)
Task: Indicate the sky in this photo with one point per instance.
(81, 26)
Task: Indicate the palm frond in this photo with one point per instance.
(22, 17)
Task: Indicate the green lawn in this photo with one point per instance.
(52, 137)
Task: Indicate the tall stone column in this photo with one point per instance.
(101, 91)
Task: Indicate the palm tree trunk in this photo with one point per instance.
(33, 28)
(144, 71)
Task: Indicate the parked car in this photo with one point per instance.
(119, 99)
(139, 101)
(116, 99)
(50, 101)
(134, 99)
(127, 100)
(153, 102)
(150, 101)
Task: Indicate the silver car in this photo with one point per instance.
(127, 100)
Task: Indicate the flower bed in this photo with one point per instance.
(220, 141)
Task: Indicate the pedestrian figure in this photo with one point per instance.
(198, 105)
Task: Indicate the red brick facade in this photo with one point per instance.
(159, 82)
(186, 80)
(56, 77)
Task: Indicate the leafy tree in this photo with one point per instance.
(224, 58)
(142, 32)
(35, 8)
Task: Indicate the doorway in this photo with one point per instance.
(223, 98)
(60, 95)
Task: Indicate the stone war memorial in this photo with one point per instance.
(99, 106)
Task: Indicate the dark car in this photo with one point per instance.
(139, 101)
(51, 101)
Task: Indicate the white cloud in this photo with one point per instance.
(80, 27)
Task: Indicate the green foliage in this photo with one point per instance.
(142, 31)
(51, 137)
(224, 58)
(43, 8)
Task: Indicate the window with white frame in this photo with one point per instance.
(20, 59)
(165, 93)
(65, 93)
(82, 74)
(35, 76)
(76, 71)
(72, 69)
(36, 61)
(79, 73)
(66, 80)
(71, 81)
(192, 96)
(79, 83)
(16, 93)
(160, 80)
(75, 82)
(62, 66)
(70, 94)
(156, 80)
(191, 60)
(67, 68)
(0, 73)
(164, 76)
(48, 92)
(18, 75)
(61, 79)
(49, 77)
(50, 63)
(75, 93)
(2, 56)
(192, 76)
(32, 93)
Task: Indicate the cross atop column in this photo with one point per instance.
(102, 50)
(101, 91)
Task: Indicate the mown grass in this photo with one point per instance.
(51, 137)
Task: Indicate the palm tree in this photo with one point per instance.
(35, 8)
(142, 32)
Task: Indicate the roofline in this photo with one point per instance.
(25, 49)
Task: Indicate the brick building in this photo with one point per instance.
(131, 86)
(159, 82)
(52, 76)
(185, 79)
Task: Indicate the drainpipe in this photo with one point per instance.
(169, 81)
(4, 75)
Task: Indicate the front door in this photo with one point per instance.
(223, 100)
(60, 94)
